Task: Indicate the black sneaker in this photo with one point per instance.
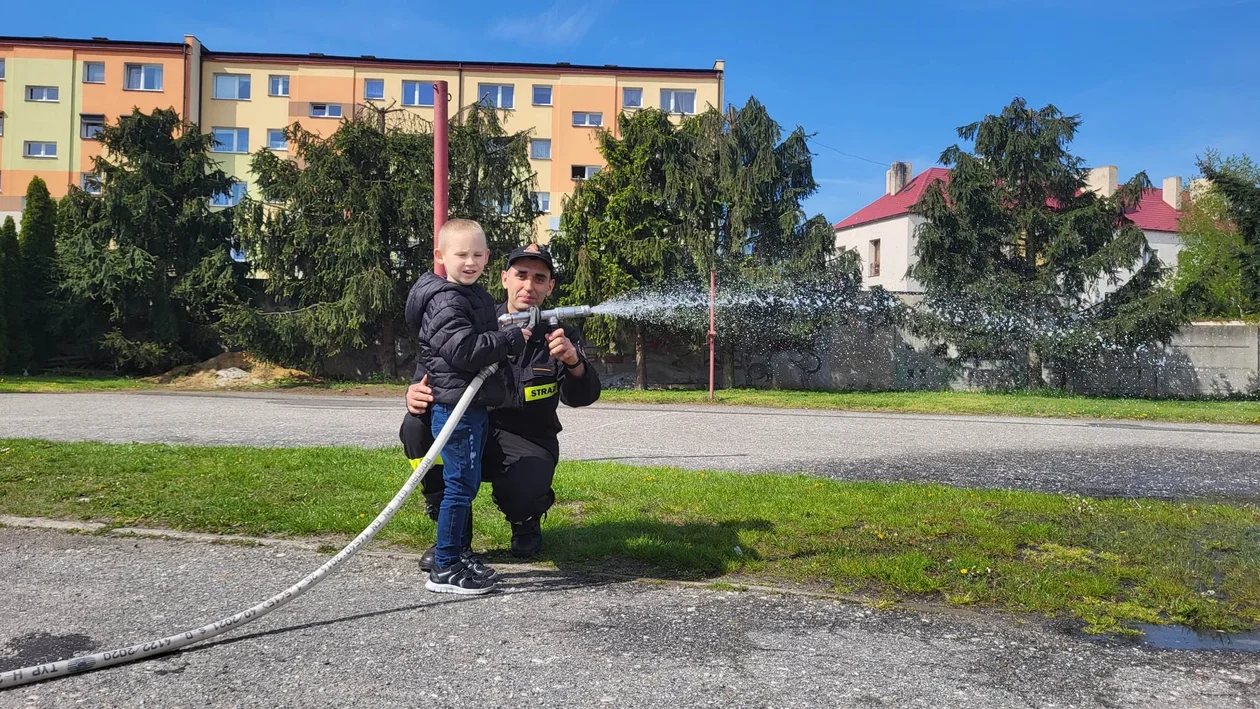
(479, 568)
(458, 578)
(428, 560)
(527, 538)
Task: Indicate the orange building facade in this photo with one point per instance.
(54, 93)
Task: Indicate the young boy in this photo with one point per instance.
(458, 336)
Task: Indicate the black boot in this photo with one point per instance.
(527, 538)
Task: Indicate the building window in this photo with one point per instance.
(143, 77)
(593, 120)
(278, 85)
(583, 172)
(1, 123)
(677, 101)
(276, 139)
(632, 98)
(34, 149)
(417, 93)
(325, 110)
(90, 126)
(231, 87)
(230, 198)
(1, 69)
(540, 149)
(90, 183)
(93, 73)
(542, 95)
(373, 89)
(874, 270)
(542, 202)
(43, 94)
(497, 95)
(230, 140)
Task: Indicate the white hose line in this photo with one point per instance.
(61, 668)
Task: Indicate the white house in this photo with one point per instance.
(883, 232)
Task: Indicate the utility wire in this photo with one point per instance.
(850, 155)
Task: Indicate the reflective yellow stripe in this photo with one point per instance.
(541, 391)
(415, 462)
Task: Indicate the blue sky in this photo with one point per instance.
(1155, 82)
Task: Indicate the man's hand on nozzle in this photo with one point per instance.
(419, 396)
(561, 347)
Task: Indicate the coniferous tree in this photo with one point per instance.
(13, 343)
(343, 236)
(39, 273)
(148, 261)
(1215, 256)
(1015, 248)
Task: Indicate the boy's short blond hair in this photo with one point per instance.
(464, 227)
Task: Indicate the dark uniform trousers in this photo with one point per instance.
(519, 471)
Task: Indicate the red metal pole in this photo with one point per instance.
(441, 166)
(712, 328)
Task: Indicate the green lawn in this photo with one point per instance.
(1108, 563)
(69, 383)
(944, 402)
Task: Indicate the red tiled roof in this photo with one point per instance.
(893, 205)
(1152, 212)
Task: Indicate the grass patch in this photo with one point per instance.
(1106, 562)
(47, 383)
(1042, 404)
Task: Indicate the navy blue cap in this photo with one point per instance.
(532, 251)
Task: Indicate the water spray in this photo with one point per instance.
(140, 651)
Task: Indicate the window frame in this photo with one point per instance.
(90, 178)
(533, 96)
(326, 114)
(272, 78)
(538, 203)
(587, 170)
(236, 139)
(875, 256)
(532, 141)
(86, 80)
(247, 80)
(624, 89)
(498, 95)
(43, 155)
(418, 85)
(270, 146)
(672, 93)
(84, 123)
(161, 75)
(3, 69)
(366, 82)
(232, 198)
(587, 115)
(31, 89)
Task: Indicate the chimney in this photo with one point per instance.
(1172, 192)
(896, 178)
(1102, 180)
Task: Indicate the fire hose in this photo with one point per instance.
(78, 665)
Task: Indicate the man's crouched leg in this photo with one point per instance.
(522, 490)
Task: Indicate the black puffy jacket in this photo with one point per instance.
(458, 336)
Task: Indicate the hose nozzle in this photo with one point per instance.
(532, 317)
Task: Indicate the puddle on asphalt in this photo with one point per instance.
(1179, 637)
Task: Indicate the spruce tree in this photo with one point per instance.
(1015, 248)
(147, 261)
(14, 346)
(39, 272)
(344, 226)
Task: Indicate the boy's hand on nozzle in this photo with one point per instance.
(526, 333)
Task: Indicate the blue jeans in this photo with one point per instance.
(461, 472)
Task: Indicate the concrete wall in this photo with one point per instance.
(1204, 360)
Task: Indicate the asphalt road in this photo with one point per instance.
(371, 636)
(1112, 458)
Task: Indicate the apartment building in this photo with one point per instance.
(56, 93)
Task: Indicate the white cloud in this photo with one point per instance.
(557, 25)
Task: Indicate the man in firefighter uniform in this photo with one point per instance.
(522, 449)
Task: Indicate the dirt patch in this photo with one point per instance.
(230, 370)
